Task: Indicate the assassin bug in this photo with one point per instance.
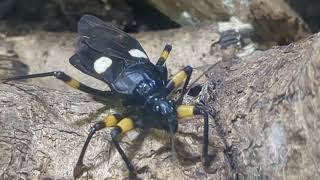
(114, 57)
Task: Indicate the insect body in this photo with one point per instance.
(114, 57)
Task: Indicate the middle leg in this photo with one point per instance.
(184, 111)
(109, 121)
(125, 125)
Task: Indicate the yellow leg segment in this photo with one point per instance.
(126, 124)
(179, 78)
(164, 55)
(184, 111)
(73, 83)
(110, 121)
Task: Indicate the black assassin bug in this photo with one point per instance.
(114, 57)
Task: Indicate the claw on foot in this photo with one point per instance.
(79, 170)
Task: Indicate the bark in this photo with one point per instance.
(266, 128)
(275, 22)
(269, 109)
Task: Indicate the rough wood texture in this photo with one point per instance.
(274, 21)
(268, 106)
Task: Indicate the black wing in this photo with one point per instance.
(103, 51)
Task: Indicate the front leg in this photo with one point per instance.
(177, 80)
(164, 55)
(188, 70)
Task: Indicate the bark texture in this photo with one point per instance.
(269, 109)
(267, 125)
(274, 21)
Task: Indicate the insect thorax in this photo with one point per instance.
(139, 82)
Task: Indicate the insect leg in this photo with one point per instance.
(125, 125)
(65, 78)
(164, 55)
(184, 111)
(177, 81)
(188, 70)
(109, 121)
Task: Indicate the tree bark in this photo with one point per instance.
(266, 127)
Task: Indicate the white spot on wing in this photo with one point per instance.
(102, 64)
(137, 53)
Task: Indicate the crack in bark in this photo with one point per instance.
(64, 131)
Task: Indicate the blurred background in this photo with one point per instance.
(276, 22)
(274, 125)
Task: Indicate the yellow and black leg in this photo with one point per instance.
(184, 111)
(177, 80)
(109, 121)
(164, 55)
(65, 78)
(121, 125)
